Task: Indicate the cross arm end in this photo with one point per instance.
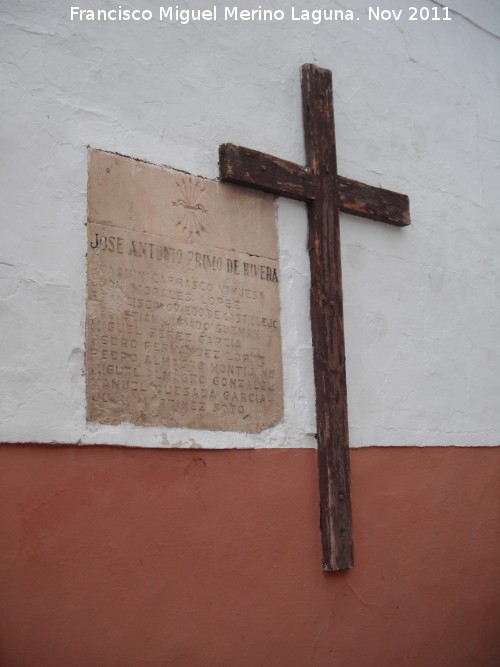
(367, 201)
(245, 166)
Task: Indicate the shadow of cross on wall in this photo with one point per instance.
(325, 193)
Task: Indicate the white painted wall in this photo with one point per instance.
(416, 111)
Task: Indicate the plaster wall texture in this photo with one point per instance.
(135, 558)
(416, 111)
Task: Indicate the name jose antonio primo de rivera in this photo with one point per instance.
(175, 14)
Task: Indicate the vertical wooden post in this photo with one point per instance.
(327, 320)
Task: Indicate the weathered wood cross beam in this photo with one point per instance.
(325, 193)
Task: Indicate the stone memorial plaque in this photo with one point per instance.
(183, 310)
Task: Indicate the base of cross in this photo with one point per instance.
(326, 193)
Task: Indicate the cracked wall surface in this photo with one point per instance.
(416, 110)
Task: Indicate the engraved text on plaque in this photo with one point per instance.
(183, 312)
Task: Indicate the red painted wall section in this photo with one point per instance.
(133, 558)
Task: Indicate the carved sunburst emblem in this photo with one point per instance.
(192, 192)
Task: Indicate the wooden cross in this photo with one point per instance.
(325, 193)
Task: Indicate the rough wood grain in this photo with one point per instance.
(367, 201)
(326, 193)
(245, 166)
(327, 322)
